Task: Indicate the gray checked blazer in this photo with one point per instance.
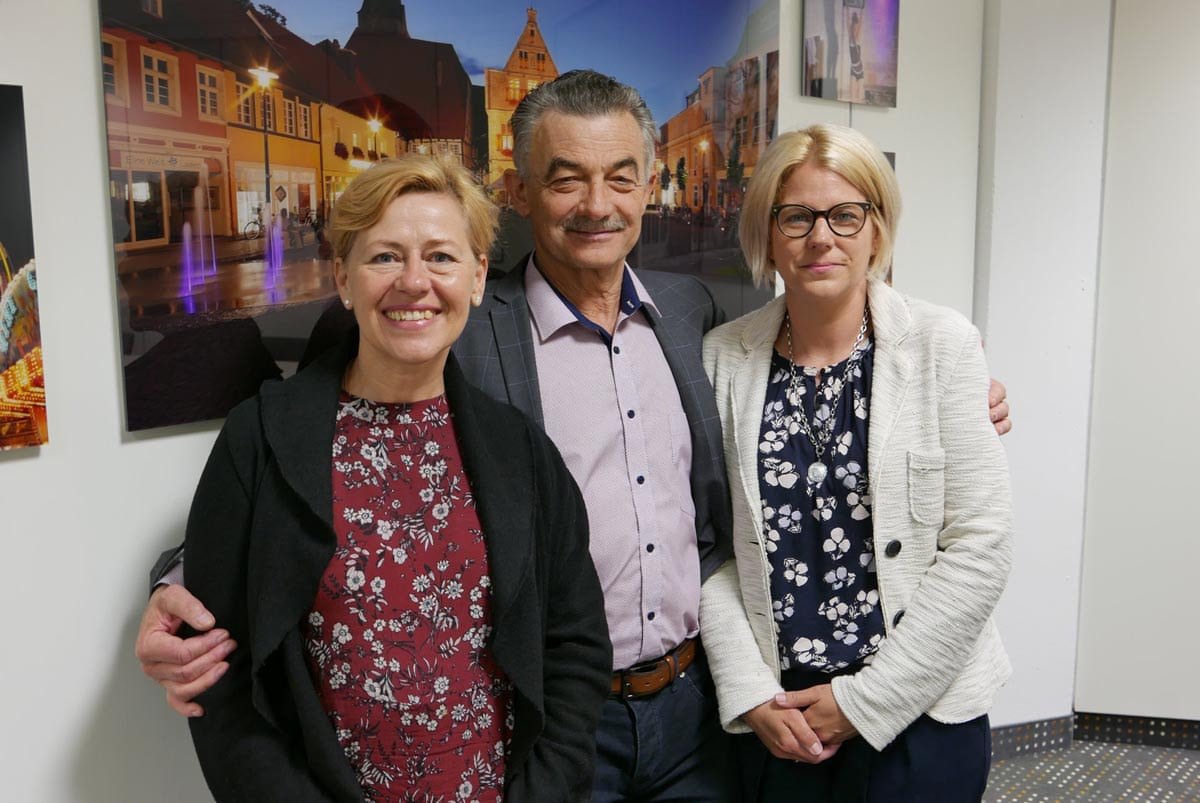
(496, 354)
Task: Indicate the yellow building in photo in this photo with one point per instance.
(529, 66)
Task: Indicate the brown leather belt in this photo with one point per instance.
(651, 677)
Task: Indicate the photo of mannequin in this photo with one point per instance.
(850, 51)
(857, 74)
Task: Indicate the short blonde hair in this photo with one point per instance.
(844, 151)
(367, 197)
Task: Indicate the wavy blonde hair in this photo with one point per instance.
(367, 197)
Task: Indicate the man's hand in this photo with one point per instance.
(821, 712)
(784, 731)
(998, 407)
(183, 667)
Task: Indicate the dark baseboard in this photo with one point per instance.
(1155, 731)
(1032, 737)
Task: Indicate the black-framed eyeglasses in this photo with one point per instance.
(844, 220)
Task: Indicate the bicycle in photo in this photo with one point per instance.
(254, 229)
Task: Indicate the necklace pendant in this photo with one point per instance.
(817, 472)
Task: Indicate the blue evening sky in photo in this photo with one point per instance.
(659, 47)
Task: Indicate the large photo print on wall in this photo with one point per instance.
(233, 127)
(850, 49)
(22, 386)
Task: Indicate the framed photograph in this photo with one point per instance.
(234, 126)
(850, 49)
(22, 385)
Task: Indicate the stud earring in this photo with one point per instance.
(346, 301)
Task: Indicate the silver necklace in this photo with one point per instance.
(820, 434)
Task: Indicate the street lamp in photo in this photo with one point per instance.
(703, 178)
(374, 125)
(264, 77)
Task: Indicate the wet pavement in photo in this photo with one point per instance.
(170, 290)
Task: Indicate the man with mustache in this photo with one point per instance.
(608, 362)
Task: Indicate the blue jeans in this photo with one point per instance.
(666, 747)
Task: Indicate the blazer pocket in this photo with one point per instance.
(927, 486)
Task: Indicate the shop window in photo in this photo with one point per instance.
(137, 206)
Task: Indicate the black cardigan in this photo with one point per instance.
(260, 535)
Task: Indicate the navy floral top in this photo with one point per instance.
(818, 537)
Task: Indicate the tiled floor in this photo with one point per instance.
(1100, 772)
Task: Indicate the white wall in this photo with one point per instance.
(84, 515)
(934, 132)
(1138, 654)
(1045, 76)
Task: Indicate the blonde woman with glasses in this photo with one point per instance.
(851, 633)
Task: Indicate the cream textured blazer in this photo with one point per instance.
(939, 487)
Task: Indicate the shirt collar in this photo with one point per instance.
(551, 310)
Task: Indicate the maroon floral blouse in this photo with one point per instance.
(396, 639)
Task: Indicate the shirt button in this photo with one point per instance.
(616, 349)
(641, 480)
(650, 616)
(649, 547)
(896, 619)
(892, 549)
(630, 413)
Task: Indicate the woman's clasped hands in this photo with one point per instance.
(806, 726)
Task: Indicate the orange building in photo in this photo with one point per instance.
(697, 135)
(351, 144)
(528, 67)
(294, 148)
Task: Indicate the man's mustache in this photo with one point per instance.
(585, 225)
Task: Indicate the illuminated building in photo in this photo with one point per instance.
(529, 66)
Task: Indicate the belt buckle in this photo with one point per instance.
(643, 667)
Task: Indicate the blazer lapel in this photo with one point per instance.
(298, 421)
(671, 335)
(509, 315)
(892, 373)
(498, 464)
(747, 392)
(294, 508)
